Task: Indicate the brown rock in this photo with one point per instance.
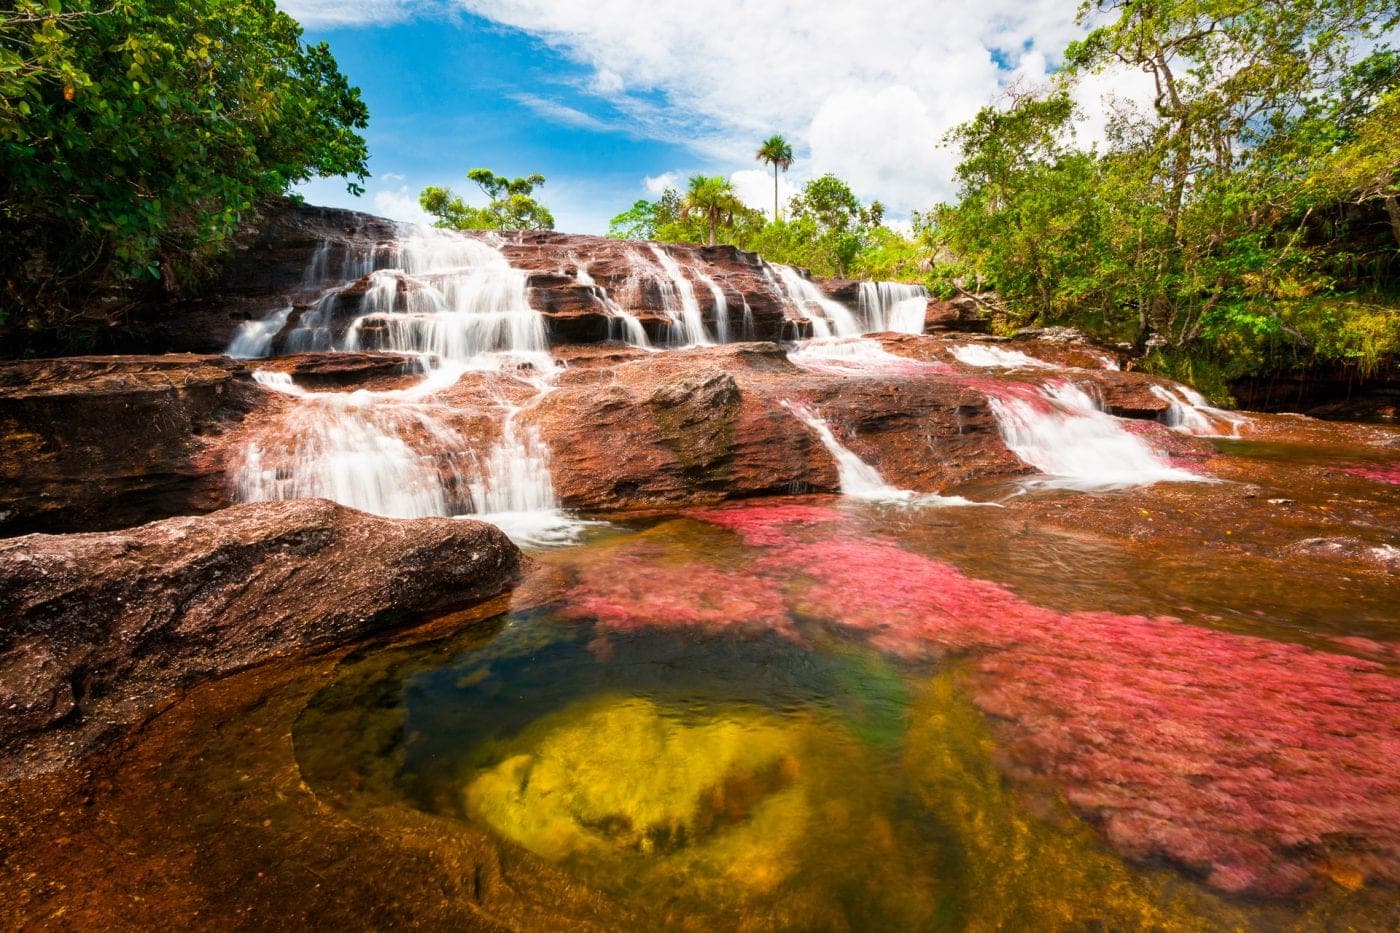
(101, 629)
(703, 424)
(101, 442)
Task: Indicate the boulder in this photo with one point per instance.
(637, 430)
(93, 443)
(99, 630)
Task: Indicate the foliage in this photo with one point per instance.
(711, 198)
(1217, 222)
(636, 223)
(776, 152)
(510, 204)
(138, 136)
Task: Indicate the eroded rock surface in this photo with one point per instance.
(101, 629)
(93, 443)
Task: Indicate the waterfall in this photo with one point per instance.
(989, 357)
(860, 480)
(679, 302)
(455, 303)
(354, 448)
(253, 340)
(1061, 431)
(892, 306)
(622, 325)
(829, 318)
(1189, 412)
(513, 489)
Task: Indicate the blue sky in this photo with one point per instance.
(613, 99)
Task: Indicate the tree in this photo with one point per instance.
(510, 205)
(837, 219)
(138, 137)
(636, 223)
(712, 198)
(1223, 224)
(776, 152)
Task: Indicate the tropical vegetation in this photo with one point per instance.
(137, 138)
(510, 204)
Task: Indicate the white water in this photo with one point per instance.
(679, 303)
(623, 325)
(892, 306)
(456, 304)
(852, 356)
(989, 357)
(355, 448)
(860, 480)
(829, 318)
(1190, 413)
(253, 339)
(1067, 437)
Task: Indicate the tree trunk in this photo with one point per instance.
(776, 218)
(1392, 210)
(712, 231)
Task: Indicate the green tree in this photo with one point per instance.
(137, 137)
(712, 198)
(837, 220)
(638, 222)
(510, 204)
(1223, 223)
(775, 151)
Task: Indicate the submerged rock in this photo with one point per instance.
(101, 629)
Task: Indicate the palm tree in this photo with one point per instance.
(712, 197)
(775, 150)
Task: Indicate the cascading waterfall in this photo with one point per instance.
(1061, 431)
(679, 302)
(892, 306)
(989, 357)
(368, 450)
(1189, 412)
(253, 339)
(622, 325)
(860, 480)
(829, 318)
(455, 303)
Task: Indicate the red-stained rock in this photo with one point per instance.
(101, 629)
(101, 442)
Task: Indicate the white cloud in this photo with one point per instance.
(556, 112)
(656, 185)
(754, 187)
(863, 90)
(358, 13)
(400, 204)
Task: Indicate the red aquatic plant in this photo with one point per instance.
(634, 590)
(1255, 763)
(1380, 473)
(767, 524)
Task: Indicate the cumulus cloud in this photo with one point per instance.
(755, 188)
(400, 204)
(656, 185)
(863, 90)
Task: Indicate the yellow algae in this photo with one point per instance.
(619, 774)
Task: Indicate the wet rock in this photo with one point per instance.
(94, 443)
(101, 629)
(335, 371)
(705, 424)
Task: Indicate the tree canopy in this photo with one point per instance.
(1219, 223)
(138, 135)
(776, 152)
(511, 205)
